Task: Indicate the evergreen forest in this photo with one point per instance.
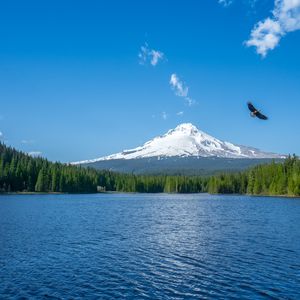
(19, 172)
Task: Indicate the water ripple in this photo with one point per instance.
(149, 247)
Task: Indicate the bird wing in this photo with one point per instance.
(261, 116)
(251, 107)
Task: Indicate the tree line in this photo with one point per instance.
(19, 172)
(269, 179)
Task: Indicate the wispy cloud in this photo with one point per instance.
(189, 101)
(35, 153)
(266, 34)
(178, 86)
(1, 135)
(150, 56)
(225, 2)
(27, 142)
(180, 113)
(164, 115)
(181, 89)
(252, 3)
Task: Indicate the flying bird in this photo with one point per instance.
(255, 112)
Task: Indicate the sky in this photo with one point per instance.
(85, 79)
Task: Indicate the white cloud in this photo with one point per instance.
(150, 56)
(180, 113)
(178, 86)
(180, 89)
(156, 57)
(266, 35)
(225, 2)
(35, 153)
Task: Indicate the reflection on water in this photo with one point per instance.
(149, 247)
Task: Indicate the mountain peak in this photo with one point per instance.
(186, 140)
(187, 127)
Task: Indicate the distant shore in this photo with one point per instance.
(116, 192)
(31, 193)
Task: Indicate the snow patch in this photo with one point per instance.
(186, 140)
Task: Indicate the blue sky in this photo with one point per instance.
(73, 85)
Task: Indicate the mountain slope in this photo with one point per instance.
(179, 165)
(187, 141)
(184, 150)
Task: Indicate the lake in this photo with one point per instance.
(153, 246)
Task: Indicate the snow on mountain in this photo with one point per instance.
(186, 140)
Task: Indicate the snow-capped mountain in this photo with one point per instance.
(186, 140)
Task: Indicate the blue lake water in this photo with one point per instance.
(133, 246)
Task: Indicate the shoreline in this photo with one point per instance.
(116, 192)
